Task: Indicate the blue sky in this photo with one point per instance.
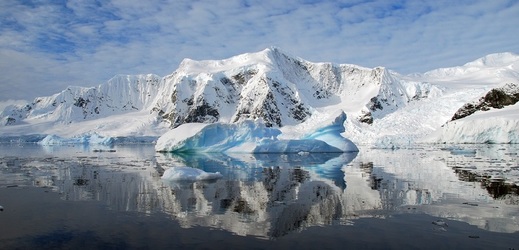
(47, 45)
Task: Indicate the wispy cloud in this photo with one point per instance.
(47, 45)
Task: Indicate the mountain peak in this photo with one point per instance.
(495, 60)
(267, 56)
(274, 51)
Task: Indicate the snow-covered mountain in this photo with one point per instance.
(280, 89)
(284, 91)
(121, 94)
(425, 120)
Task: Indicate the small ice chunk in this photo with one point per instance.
(440, 223)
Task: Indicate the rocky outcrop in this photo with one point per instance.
(496, 98)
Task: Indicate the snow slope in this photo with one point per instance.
(295, 95)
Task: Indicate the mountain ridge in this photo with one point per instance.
(280, 89)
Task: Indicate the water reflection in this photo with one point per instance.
(263, 195)
(270, 195)
(427, 180)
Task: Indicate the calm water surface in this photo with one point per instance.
(422, 198)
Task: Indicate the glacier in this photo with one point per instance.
(253, 136)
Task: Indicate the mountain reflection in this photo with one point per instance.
(270, 195)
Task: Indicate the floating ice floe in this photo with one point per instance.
(189, 174)
(253, 137)
(461, 151)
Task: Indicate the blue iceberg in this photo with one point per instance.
(253, 137)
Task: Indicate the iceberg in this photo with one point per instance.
(86, 139)
(189, 174)
(253, 137)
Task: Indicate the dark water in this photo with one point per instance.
(422, 198)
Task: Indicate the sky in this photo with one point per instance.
(47, 45)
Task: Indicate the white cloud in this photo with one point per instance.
(87, 42)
